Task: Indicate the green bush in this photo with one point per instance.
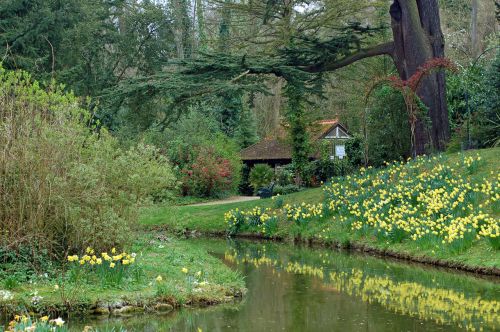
(474, 105)
(210, 175)
(285, 190)
(245, 188)
(260, 176)
(285, 175)
(354, 148)
(64, 185)
(323, 170)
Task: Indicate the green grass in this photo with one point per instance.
(210, 219)
(157, 255)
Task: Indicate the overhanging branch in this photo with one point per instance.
(382, 49)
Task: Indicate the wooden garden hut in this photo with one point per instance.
(278, 151)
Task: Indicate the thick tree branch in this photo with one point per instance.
(382, 49)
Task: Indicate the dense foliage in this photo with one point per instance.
(475, 105)
(62, 184)
(206, 160)
(260, 176)
(144, 63)
(209, 174)
(387, 127)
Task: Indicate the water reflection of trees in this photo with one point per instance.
(410, 290)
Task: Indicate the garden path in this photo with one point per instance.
(233, 199)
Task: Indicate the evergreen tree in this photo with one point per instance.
(297, 121)
(246, 132)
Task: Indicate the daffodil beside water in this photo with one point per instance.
(425, 200)
(109, 268)
(263, 219)
(42, 324)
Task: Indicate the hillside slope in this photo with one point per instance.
(441, 209)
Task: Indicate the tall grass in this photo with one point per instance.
(62, 185)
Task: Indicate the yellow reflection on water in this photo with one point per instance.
(442, 305)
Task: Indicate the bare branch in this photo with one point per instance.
(53, 56)
(382, 49)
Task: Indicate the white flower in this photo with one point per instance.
(36, 299)
(6, 295)
(59, 321)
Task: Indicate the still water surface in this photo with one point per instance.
(294, 288)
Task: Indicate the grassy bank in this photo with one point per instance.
(165, 273)
(288, 218)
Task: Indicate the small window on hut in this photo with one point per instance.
(340, 151)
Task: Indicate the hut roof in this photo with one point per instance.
(280, 149)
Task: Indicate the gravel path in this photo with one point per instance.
(233, 199)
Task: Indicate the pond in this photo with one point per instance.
(292, 288)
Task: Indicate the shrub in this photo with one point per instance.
(354, 148)
(260, 176)
(285, 176)
(209, 168)
(285, 190)
(210, 175)
(474, 105)
(325, 169)
(63, 185)
(388, 130)
(245, 188)
(194, 143)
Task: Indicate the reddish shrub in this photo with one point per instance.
(209, 175)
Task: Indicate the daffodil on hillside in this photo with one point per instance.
(423, 200)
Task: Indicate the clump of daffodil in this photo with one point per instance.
(26, 323)
(261, 218)
(90, 258)
(109, 269)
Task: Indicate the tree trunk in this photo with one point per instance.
(473, 31)
(418, 38)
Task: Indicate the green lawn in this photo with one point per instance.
(205, 280)
(210, 219)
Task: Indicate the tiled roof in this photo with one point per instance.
(278, 148)
(271, 148)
